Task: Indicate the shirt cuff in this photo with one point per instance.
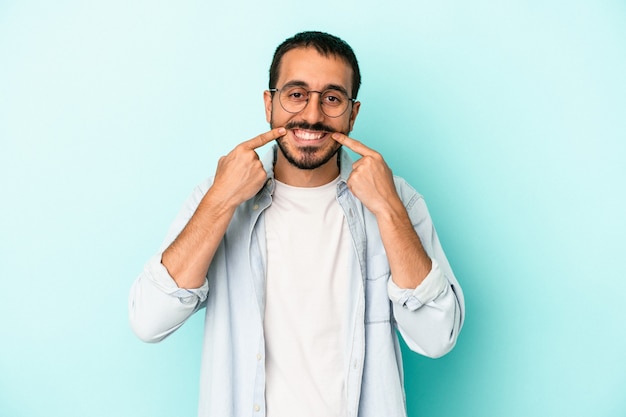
(160, 277)
(412, 299)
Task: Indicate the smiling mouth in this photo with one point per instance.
(308, 135)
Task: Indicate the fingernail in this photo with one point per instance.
(334, 135)
(282, 130)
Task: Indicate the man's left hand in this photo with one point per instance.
(371, 180)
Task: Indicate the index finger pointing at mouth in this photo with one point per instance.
(352, 144)
(264, 138)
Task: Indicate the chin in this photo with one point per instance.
(307, 157)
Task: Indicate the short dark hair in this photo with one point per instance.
(326, 45)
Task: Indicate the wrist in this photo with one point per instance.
(221, 202)
(391, 210)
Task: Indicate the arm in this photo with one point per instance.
(430, 316)
(239, 176)
(173, 284)
(427, 301)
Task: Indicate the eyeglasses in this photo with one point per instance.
(294, 98)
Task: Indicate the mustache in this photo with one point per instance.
(320, 127)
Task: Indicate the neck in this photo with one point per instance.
(296, 177)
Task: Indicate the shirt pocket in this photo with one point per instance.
(377, 303)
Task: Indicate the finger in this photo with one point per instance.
(353, 144)
(264, 138)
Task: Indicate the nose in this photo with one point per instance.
(312, 112)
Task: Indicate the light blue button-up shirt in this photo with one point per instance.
(428, 317)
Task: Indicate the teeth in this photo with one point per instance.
(308, 135)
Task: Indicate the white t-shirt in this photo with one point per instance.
(308, 245)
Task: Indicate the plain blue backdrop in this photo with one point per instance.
(508, 116)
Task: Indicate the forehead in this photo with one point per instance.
(315, 70)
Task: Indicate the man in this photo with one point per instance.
(306, 263)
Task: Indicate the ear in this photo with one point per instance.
(355, 110)
(267, 98)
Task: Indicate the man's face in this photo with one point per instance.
(307, 144)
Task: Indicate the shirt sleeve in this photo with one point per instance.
(157, 306)
(429, 317)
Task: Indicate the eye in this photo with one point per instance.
(296, 94)
(333, 98)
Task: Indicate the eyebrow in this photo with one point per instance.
(298, 83)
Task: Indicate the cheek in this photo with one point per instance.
(278, 118)
(349, 125)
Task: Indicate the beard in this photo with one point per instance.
(308, 157)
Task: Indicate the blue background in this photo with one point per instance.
(509, 116)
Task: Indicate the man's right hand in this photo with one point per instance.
(240, 174)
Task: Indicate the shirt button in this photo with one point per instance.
(257, 408)
(258, 356)
(255, 207)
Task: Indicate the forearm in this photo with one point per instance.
(429, 315)
(157, 306)
(426, 307)
(188, 257)
(408, 261)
